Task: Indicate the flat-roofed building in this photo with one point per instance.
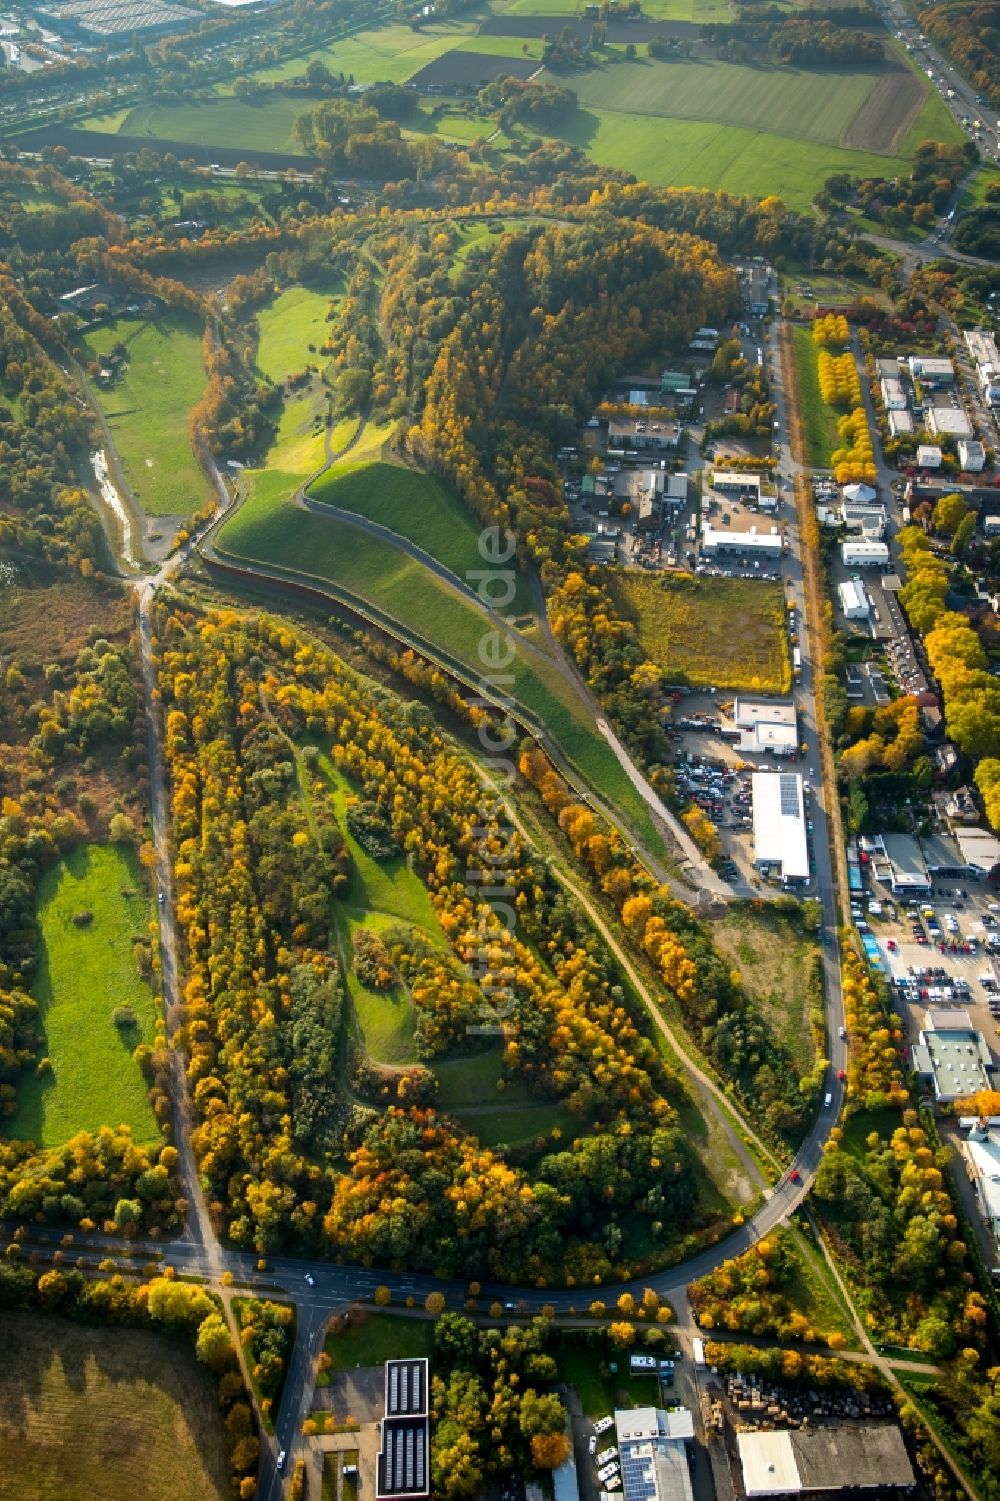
(971, 455)
(403, 1467)
(854, 599)
(986, 358)
(779, 823)
(736, 482)
(948, 422)
(652, 1447)
(899, 423)
(952, 1055)
(980, 851)
(642, 435)
(928, 456)
(928, 368)
(906, 867)
(864, 554)
(981, 1149)
(838, 1457)
(893, 395)
(762, 726)
(763, 541)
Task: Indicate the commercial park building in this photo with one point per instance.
(780, 835)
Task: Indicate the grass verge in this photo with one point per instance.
(818, 419)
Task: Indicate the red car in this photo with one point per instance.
(793, 1176)
(841, 1075)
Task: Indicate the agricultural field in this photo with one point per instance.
(86, 970)
(416, 506)
(386, 54)
(773, 955)
(708, 632)
(270, 528)
(115, 1413)
(291, 329)
(147, 407)
(819, 421)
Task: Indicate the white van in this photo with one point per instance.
(827, 1101)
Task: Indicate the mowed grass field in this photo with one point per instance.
(270, 528)
(709, 632)
(247, 125)
(147, 408)
(819, 421)
(416, 506)
(84, 973)
(288, 326)
(115, 1414)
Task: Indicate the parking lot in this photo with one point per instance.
(939, 952)
(714, 775)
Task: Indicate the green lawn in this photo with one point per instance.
(818, 419)
(599, 1395)
(418, 507)
(387, 1018)
(473, 1080)
(147, 408)
(299, 446)
(386, 886)
(374, 1338)
(511, 1128)
(84, 973)
(294, 321)
(269, 528)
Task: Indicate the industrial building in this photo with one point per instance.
(758, 726)
(841, 1457)
(980, 852)
(928, 456)
(404, 1461)
(779, 823)
(102, 20)
(652, 1445)
(931, 371)
(898, 862)
(948, 422)
(981, 1149)
(641, 435)
(971, 455)
(864, 554)
(952, 1056)
(736, 482)
(767, 543)
(854, 600)
(865, 516)
(986, 359)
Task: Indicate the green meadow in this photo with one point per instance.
(147, 407)
(86, 970)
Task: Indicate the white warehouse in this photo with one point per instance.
(864, 554)
(854, 599)
(779, 823)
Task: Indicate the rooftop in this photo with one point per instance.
(779, 823)
(950, 420)
(841, 1457)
